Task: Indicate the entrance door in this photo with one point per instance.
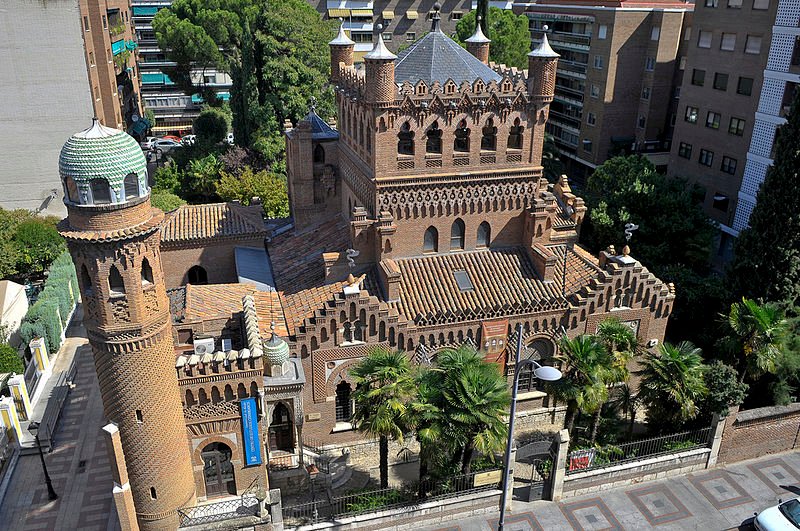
(281, 436)
(218, 470)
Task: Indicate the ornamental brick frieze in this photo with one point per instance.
(129, 341)
(211, 410)
(210, 427)
(361, 186)
(185, 380)
(323, 362)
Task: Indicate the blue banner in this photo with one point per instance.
(252, 446)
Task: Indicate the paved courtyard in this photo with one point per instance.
(78, 465)
(712, 500)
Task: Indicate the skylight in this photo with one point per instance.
(463, 281)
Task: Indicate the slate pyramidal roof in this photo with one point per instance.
(437, 57)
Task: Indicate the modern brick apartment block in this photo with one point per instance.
(111, 62)
(424, 222)
(616, 76)
(740, 74)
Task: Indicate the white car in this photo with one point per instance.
(783, 517)
(147, 143)
(229, 138)
(164, 145)
(188, 140)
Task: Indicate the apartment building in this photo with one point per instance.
(174, 110)
(730, 105)
(615, 79)
(110, 54)
(402, 21)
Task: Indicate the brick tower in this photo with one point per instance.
(113, 235)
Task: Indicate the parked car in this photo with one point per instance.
(148, 142)
(783, 517)
(165, 145)
(188, 140)
(172, 137)
(229, 138)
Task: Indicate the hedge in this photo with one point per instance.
(48, 315)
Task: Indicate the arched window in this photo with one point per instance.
(515, 135)
(86, 280)
(461, 142)
(131, 186)
(489, 137)
(457, 235)
(147, 273)
(101, 193)
(484, 235)
(72, 190)
(189, 398)
(434, 142)
(215, 396)
(241, 391)
(319, 154)
(431, 242)
(197, 275)
(115, 283)
(344, 406)
(202, 397)
(405, 140)
(229, 393)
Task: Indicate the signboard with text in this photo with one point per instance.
(252, 446)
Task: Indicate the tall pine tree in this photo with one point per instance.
(767, 262)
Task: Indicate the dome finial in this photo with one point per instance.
(478, 37)
(436, 17)
(380, 52)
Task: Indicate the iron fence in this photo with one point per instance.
(609, 455)
(31, 377)
(219, 511)
(357, 503)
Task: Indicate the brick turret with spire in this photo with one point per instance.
(478, 44)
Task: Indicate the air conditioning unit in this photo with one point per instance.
(204, 346)
(226, 344)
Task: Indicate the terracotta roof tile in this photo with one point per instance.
(269, 310)
(215, 300)
(219, 220)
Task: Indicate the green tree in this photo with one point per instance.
(511, 39)
(621, 344)
(766, 264)
(38, 243)
(426, 417)
(167, 178)
(10, 360)
(384, 386)
(672, 385)
(755, 337)
(166, 201)
(275, 52)
(583, 386)
(270, 188)
(474, 401)
(210, 126)
(724, 389)
(202, 176)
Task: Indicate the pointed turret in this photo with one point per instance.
(341, 53)
(542, 63)
(478, 44)
(379, 66)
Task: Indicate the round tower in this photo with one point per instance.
(341, 52)
(113, 235)
(542, 63)
(478, 44)
(379, 72)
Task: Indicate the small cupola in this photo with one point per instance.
(276, 354)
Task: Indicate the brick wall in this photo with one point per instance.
(216, 257)
(758, 432)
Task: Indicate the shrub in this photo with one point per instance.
(210, 126)
(29, 330)
(46, 312)
(10, 360)
(166, 201)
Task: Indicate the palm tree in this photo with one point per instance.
(672, 384)
(625, 400)
(384, 386)
(621, 344)
(585, 366)
(425, 415)
(756, 335)
(475, 401)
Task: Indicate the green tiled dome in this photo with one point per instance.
(101, 152)
(276, 351)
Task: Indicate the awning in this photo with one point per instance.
(388, 15)
(339, 13)
(117, 47)
(412, 15)
(150, 78)
(145, 11)
(169, 128)
(140, 126)
(361, 12)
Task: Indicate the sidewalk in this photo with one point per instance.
(712, 500)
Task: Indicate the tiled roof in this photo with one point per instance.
(218, 220)
(269, 310)
(212, 301)
(505, 282)
(581, 267)
(101, 152)
(320, 130)
(437, 57)
(299, 272)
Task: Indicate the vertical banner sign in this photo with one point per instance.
(252, 448)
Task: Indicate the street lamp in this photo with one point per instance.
(313, 471)
(33, 428)
(548, 374)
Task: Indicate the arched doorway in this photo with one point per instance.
(197, 275)
(344, 405)
(281, 429)
(218, 470)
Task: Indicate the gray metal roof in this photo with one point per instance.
(437, 57)
(320, 130)
(253, 267)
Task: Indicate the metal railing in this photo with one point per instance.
(611, 455)
(219, 511)
(31, 377)
(358, 503)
